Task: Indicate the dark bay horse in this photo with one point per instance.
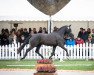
(52, 39)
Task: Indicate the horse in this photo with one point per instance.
(53, 39)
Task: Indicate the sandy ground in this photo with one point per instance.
(31, 72)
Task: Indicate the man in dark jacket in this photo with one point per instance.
(80, 33)
(84, 35)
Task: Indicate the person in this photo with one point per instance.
(84, 35)
(70, 42)
(34, 31)
(88, 32)
(92, 35)
(79, 41)
(44, 30)
(30, 30)
(80, 33)
(12, 37)
(18, 34)
(25, 33)
(4, 37)
(40, 30)
(89, 39)
(55, 29)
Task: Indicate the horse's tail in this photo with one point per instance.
(24, 43)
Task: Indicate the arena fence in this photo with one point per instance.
(85, 51)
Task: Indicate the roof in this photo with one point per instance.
(20, 10)
(76, 10)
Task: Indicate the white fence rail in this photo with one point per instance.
(85, 51)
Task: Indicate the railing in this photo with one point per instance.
(85, 51)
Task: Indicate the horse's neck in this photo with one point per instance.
(61, 32)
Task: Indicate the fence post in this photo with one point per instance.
(87, 51)
(3, 52)
(90, 51)
(80, 51)
(18, 55)
(71, 50)
(12, 50)
(15, 51)
(84, 51)
(6, 51)
(93, 52)
(74, 51)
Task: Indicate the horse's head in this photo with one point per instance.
(68, 29)
(65, 30)
(68, 32)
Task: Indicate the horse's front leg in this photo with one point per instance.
(22, 46)
(27, 52)
(62, 46)
(53, 52)
(37, 51)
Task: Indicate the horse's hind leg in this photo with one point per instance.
(37, 51)
(27, 52)
(53, 52)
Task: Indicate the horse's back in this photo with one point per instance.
(49, 39)
(45, 39)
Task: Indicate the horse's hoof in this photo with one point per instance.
(68, 58)
(50, 58)
(21, 58)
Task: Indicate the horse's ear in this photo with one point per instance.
(69, 26)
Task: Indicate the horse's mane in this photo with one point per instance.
(63, 27)
(64, 30)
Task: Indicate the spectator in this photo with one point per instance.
(18, 34)
(92, 40)
(69, 41)
(4, 37)
(21, 30)
(40, 30)
(22, 38)
(88, 32)
(55, 28)
(84, 35)
(44, 30)
(2, 31)
(92, 35)
(80, 33)
(89, 39)
(30, 30)
(79, 40)
(34, 31)
(12, 37)
(7, 31)
(25, 33)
